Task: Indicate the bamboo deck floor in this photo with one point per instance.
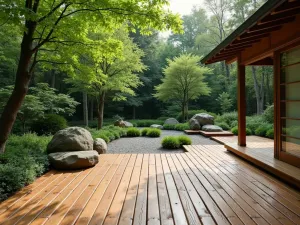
(205, 185)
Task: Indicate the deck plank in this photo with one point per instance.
(140, 216)
(205, 185)
(273, 207)
(127, 213)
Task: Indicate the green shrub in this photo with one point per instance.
(269, 114)
(133, 132)
(191, 113)
(262, 129)
(170, 142)
(146, 123)
(25, 158)
(169, 127)
(184, 140)
(154, 132)
(234, 123)
(144, 131)
(253, 122)
(228, 118)
(270, 133)
(50, 124)
(234, 130)
(182, 126)
(223, 125)
(104, 137)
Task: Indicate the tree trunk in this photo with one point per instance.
(85, 110)
(133, 112)
(23, 77)
(183, 112)
(101, 109)
(92, 109)
(259, 93)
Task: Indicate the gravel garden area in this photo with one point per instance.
(151, 145)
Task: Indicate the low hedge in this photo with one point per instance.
(133, 132)
(179, 126)
(234, 130)
(175, 142)
(25, 158)
(49, 124)
(153, 132)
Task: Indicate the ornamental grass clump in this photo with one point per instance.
(133, 132)
(170, 142)
(154, 132)
(144, 131)
(184, 140)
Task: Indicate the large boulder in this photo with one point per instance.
(71, 139)
(212, 128)
(194, 124)
(171, 121)
(73, 160)
(204, 119)
(122, 123)
(157, 126)
(100, 146)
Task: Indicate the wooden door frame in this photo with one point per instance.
(286, 157)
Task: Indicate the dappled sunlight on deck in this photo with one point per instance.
(205, 185)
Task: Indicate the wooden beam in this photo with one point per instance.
(243, 42)
(263, 62)
(252, 37)
(259, 27)
(259, 32)
(229, 61)
(279, 16)
(287, 6)
(241, 103)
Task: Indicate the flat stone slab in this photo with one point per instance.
(73, 160)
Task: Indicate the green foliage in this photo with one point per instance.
(253, 122)
(191, 113)
(153, 132)
(25, 159)
(144, 131)
(50, 124)
(182, 126)
(270, 133)
(263, 129)
(227, 118)
(234, 130)
(183, 81)
(170, 142)
(169, 126)
(223, 125)
(184, 140)
(225, 102)
(269, 114)
(41, 99)
(147, 123)
(133, 132)
(108, 133)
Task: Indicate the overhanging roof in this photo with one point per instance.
(268, 18)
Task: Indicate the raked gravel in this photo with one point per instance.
(151, 145)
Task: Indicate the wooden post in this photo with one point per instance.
(241, 103)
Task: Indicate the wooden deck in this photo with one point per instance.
(206, 185)
(260, 151)
(216, 134)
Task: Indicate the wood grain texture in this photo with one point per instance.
(205, 185)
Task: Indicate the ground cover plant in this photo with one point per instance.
(153, 132)
(25, 159)
(133, 132)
